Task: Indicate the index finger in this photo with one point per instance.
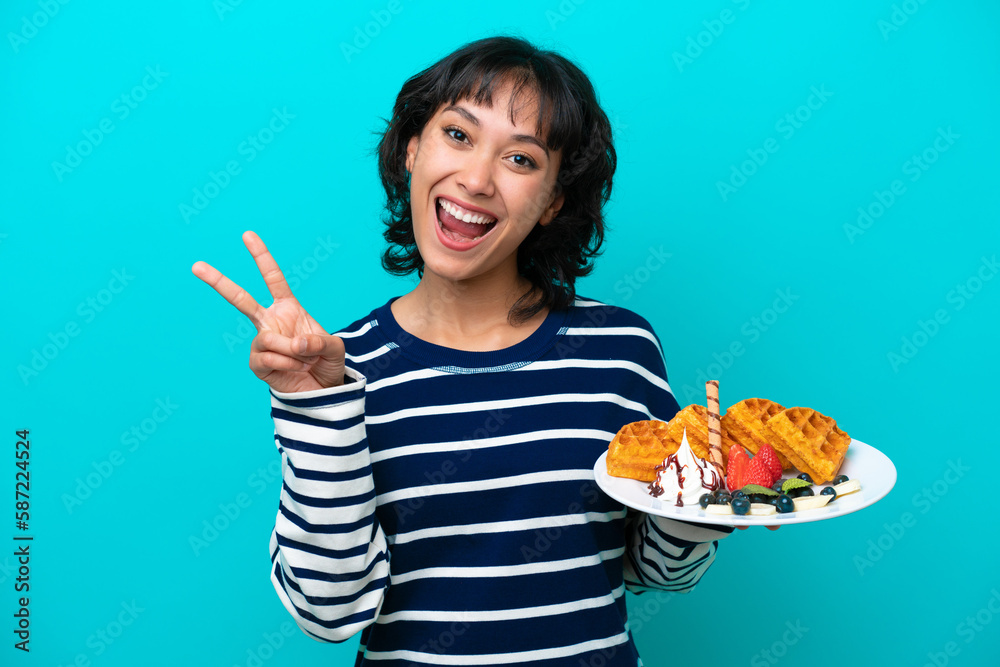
(229, 290)
(273, 276)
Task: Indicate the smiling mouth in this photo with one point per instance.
(458, 230)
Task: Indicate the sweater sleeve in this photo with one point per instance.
(661, 553)
(329, 559)
(667, 554)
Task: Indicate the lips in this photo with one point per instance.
(458, 234)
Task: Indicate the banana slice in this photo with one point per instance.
(762, 509)
(811, 502)
(850, 486)
(719, 509)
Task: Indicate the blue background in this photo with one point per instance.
(694, 93)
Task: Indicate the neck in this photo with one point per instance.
(465, 314)
(467, 306)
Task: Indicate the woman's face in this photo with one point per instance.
(497, 172)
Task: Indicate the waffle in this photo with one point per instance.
(694, 418)
(744, 423)
(810, 440)
(639, 447)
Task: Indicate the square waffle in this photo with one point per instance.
(639, 447)
(745, 422)
(810, 440)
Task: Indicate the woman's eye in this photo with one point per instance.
(528, 162)
(458, 136)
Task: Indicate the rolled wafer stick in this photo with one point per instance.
(714, 427)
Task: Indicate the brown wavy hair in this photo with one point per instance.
(569, 119)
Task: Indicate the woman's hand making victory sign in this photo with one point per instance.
(291, 351)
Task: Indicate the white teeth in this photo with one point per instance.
(464, 215)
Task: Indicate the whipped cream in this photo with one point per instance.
(685, 476)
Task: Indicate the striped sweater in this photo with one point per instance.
(443, 501)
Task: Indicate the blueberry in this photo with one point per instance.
(777, 485)
(829, 491)
(805, 476)
(785, 504)
(840, 479)
(723, 500)
(773, 500)
(758, 497)
(739, 493)
(719, 491)
(801, 491)
(741, 506)
(706, 500)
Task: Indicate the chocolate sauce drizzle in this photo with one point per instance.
(656, 489)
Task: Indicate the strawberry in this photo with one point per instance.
(758, 473)
(736, 468)
(770, 458)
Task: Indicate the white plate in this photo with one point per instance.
(863, 462)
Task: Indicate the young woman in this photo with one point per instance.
(438, 453)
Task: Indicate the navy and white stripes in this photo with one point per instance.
(444, 502)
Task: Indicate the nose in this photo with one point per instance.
(476, 175)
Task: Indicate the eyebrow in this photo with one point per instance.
(465, 113)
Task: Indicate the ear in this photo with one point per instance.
(411, 152)
(553, 208)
